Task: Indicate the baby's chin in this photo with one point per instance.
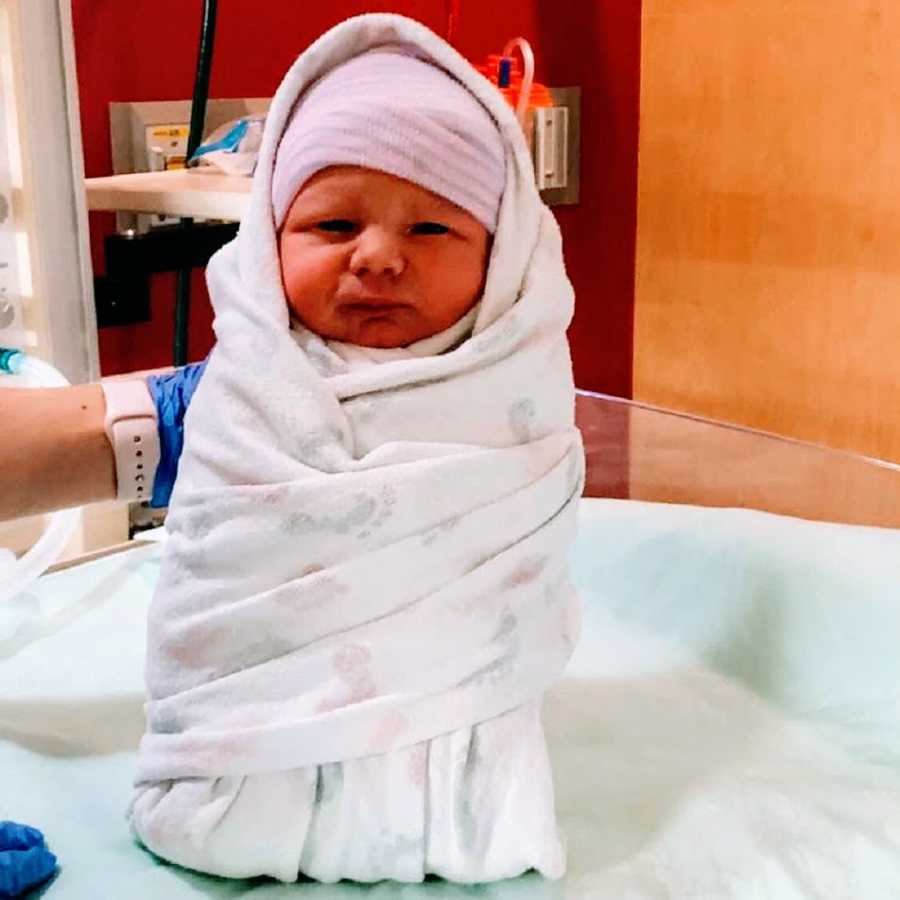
(386, 331)
(383, 333)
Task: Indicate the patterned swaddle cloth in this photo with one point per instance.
(365, 590)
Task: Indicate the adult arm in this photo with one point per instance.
(55, 452)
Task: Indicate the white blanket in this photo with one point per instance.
(367, 551)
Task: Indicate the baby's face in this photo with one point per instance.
(373, 260)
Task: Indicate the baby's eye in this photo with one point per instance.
(429, 228)
(337, 226)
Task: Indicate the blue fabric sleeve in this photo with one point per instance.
(25, 860)
(172, 395)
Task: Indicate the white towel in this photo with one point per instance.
(366, 565)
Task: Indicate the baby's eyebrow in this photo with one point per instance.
(325, 207)
(436, 210)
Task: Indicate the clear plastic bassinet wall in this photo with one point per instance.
(639, 452)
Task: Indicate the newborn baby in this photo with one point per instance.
(365, 591)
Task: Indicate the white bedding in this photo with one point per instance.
(728, 728)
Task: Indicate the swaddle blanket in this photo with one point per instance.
(365, 590)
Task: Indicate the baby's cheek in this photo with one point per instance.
(461, 280)
(309, 278)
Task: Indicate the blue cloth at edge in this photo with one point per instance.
(172, 395)
(25, 860)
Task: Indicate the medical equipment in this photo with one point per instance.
(15, 576)
(516, 82)
(46, 300)
(546, 118)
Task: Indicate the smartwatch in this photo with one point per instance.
(131, 427)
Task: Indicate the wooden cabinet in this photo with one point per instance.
(768, 254)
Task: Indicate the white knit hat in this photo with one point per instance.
(398, 114)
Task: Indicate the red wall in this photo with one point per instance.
(143, 50)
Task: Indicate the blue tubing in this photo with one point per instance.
(11, 361)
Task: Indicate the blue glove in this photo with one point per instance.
(172, 394)
(25, 860)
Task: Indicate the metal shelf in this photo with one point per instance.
(176, 193)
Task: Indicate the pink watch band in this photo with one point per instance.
(131, 427)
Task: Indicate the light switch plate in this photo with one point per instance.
(551, 145)
(568, 98)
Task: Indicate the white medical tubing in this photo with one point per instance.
(527, 76)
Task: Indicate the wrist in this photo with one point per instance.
(130, 424)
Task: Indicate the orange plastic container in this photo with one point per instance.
(540, 94)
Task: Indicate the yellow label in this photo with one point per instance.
(169, 132)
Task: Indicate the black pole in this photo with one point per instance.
(195, 136)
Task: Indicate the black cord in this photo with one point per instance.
(201, 81)
(195, 136)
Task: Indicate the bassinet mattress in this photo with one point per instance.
(729, 726)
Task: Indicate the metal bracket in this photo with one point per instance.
(564, 185)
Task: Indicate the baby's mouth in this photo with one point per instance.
(372, 305)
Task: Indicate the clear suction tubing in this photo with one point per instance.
(17, 574)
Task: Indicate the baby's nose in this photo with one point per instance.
(377, 252)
